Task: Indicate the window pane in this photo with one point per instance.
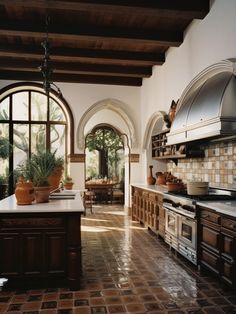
(4, 163)
(20, 106)
(4, 109)
(55, 111)
(58, 139)
(38, 138)
(20, 142)
(38, 107)
(92, 164)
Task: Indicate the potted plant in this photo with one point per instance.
(3, 186)
(55, 177)
(68, 183)
(38, 169)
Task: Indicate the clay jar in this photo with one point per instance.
(150, 179)
(24, 192)
(161, 178)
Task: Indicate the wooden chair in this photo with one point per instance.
(89, 199)
(118, 195)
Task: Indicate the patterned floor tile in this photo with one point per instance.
(126, 268)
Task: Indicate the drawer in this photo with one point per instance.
(228, 223)
(210, 216)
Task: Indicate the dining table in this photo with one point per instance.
(103, 190)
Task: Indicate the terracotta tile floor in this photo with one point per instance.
(126, 270)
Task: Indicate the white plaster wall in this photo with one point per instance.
(205, 42)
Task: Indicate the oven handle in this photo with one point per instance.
(188, 219)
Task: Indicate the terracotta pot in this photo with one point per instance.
(42, 194)
(161, 179)
(68, 185)
(150, 179)
(174, 186)
(24, 192)
(55, 178)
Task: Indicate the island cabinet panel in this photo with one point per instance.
(145, 208)
(40, 249)
(55, 252)
(217, 245)
(10, 260)
(32, 253)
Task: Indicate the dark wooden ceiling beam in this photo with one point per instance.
(71, 78)
(75, 68)
(101, 56)
(153, 8)
(64, 32)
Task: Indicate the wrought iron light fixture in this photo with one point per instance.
(45, 67)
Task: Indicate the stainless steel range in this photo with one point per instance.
(181, 220)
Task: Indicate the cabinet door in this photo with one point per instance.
(210, 260)
(32, 250)
(55, 252)
(211, 239)
(228, 246)
(10, 260)
(228, 271)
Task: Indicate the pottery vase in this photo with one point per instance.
(161, 179)
(24, 192)
(150, 179)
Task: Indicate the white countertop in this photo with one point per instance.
(152, 188)
(224, 207)
(8, 205)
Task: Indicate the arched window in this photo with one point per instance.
(32, 122)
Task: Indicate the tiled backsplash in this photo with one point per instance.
(218, 167)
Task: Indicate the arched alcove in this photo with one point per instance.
(155, 124)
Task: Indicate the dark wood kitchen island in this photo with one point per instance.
(40, 244)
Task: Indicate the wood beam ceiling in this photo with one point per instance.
(92, 41)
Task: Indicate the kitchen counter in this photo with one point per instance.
(9, 206)
(152, 188)
(40, 244)
(223, 207)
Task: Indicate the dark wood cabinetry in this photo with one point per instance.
(218, 244)
(41, 249)
(146, 208)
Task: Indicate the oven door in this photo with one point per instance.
(188, 231)
(172, 222)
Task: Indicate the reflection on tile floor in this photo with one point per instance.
(126, 270)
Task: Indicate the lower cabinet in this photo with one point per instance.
(217, 245)
(146, 208)
(40, 249)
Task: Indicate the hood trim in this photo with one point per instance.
(220, 123)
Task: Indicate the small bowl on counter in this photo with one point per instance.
(197, 188)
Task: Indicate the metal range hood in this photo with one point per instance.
(207, 107)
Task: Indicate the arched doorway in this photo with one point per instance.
(105, 162)
(105, 112)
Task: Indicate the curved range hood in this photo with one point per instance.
(207, 108)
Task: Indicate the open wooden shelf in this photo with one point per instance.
(160, 149)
